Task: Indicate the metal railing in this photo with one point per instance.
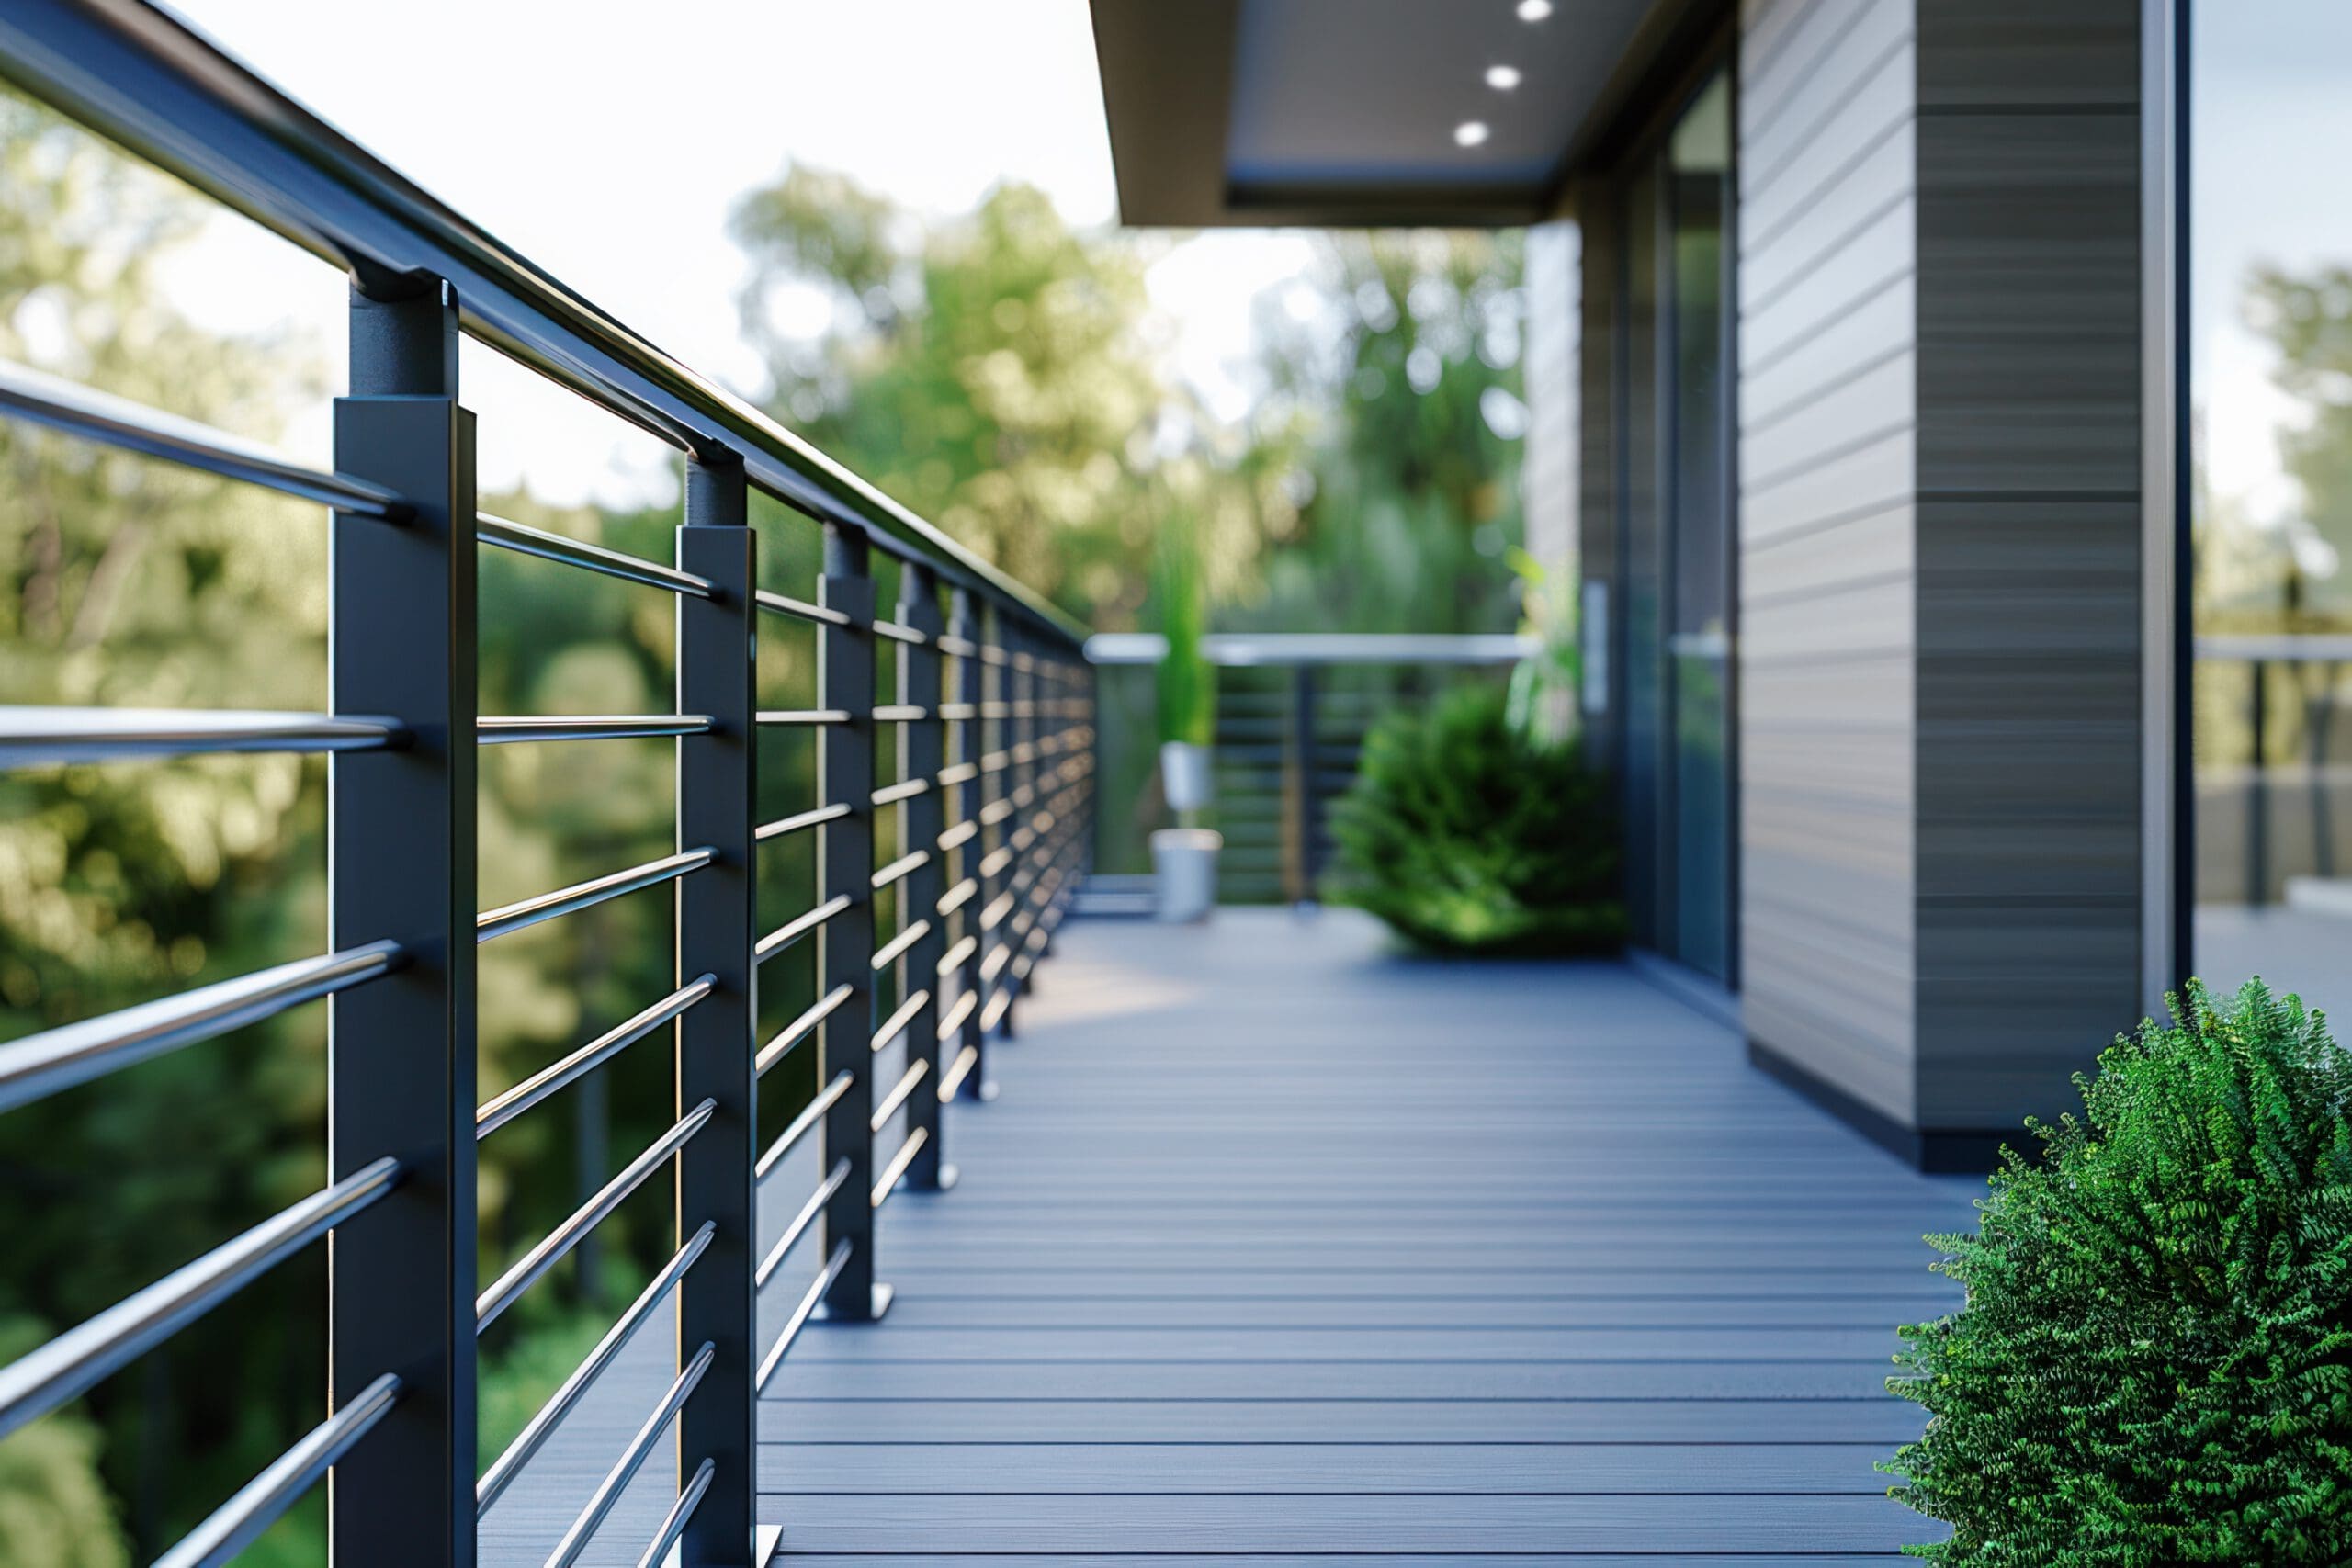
(2298, 672)
(1293, 709)
(993, 714)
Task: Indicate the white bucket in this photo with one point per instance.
(1183, 864)
(1184, 774)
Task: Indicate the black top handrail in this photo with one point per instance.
(145, 80)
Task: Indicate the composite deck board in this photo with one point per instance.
(1278, 1249)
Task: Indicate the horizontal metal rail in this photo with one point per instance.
(904, 865)
(959, 835)
(35, 737)
(883, 1183)
(899, 713)
(896, 1024)
(29, 395)
(498, 922)
(801, 821)
(778, 717)
(792, 931)
(900, 1092)
(68, 1365)
(809, 1116)
(835, 1263)
(552, 1247)
(890, 794)
(641, 1448)
(801, 1222)
(41, 1065)
(682, 1512)
(257, 1505)
(955, 956)
(890, 952)
(799, 609)
(966, 1060)
(960, 772)
(958, 896)
(503, 731)
(899, 633)
(529, 541)
(541, 1427)
(800, 1029)
(550, 1080)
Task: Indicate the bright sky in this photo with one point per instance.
(608, 142)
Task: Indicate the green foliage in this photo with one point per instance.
(1467, 835)
(1544, 684)
(55, 1512)
(2154, 1363)
(1404, 365)
(993, 373)
(1187, 686)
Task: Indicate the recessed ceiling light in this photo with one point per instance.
(1535, 10)
(1502, 78)
(1470, 133)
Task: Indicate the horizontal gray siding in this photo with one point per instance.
(1828, 455)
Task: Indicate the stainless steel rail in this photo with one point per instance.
(69, 1364)
(30, 736)
(41, 1065)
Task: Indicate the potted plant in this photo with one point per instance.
(2154, 1361)
(1184, 857)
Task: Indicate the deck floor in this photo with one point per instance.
(1275, 1245)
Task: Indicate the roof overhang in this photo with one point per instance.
(1344, 112)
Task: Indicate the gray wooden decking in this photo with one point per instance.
(1277, 1245)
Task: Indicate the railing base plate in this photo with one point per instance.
(765, 1539)
(882, 1297)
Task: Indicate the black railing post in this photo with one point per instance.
(1304, 725)
(971, 796)
(716, 930)
(996, 790)
(2257, 798)
(401, 865)
(922, 820)
(845, 948)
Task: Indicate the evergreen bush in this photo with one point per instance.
(2153, 1364)
(1467, 835)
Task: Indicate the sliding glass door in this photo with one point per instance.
(1675, 497)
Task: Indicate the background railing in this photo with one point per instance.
(1293, 709)
(953, 754)
(2274, 763)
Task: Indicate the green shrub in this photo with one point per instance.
(1466, 835)
(2153, 1365)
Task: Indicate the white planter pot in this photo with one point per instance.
(1184, 774)
(1183, 864)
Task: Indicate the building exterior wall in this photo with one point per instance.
(1940, 549)
(1829, 451)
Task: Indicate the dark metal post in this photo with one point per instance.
(995, 829)
(845, 947)
(716, 1040)
(1020, 788)
(401, 865)
(971, 692)
(1303, 725)
(2258, 799)
(922, 819)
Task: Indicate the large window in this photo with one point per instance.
(2270, 387)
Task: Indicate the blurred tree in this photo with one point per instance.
(2308, 320)
(1404, 355)
(994, 374)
